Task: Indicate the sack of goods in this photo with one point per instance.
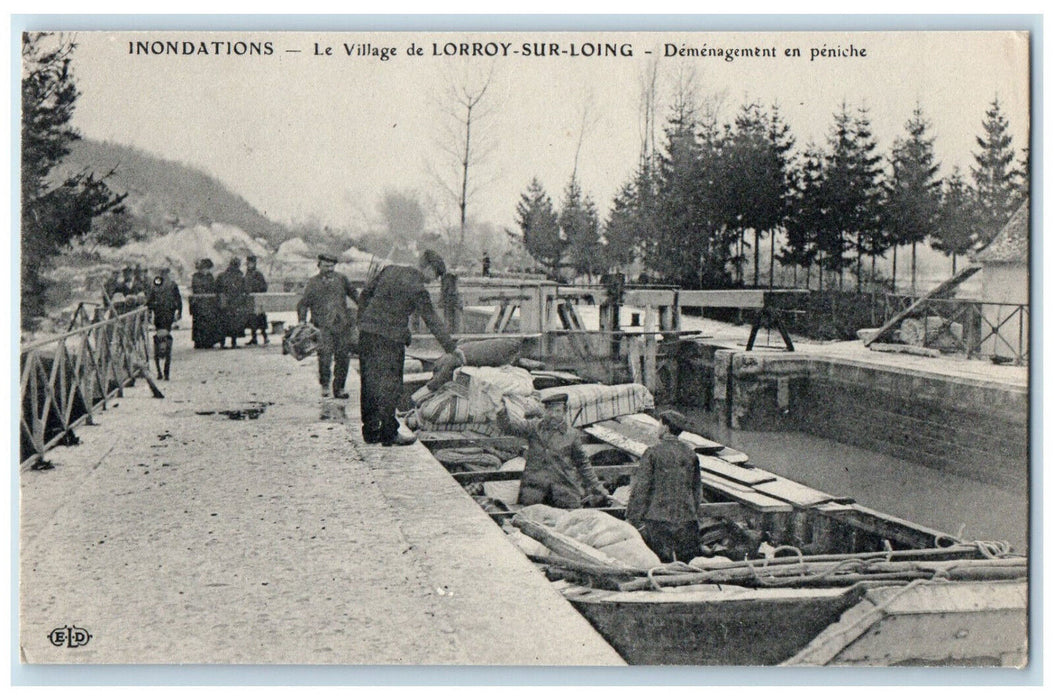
(475, 396)
(494, 352)
(599, 530)
(592, 403)
(300, 341)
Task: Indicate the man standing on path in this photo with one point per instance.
(557, 472)
(255, 284)
(231, 287)
(665, 494)
(324, 296)
(384, 316)
(164, 301)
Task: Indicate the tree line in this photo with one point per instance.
(698, 211)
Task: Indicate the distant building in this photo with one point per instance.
(1005, 286)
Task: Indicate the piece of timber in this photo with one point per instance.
(942, 288)
(514, 474)
(700, 444)
(741, 475)
(441, 439)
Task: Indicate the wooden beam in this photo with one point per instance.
(943, 288)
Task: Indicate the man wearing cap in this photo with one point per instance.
(204, 306)
(255, 283)
(233, 302)
(385, 307)
(557, 472)
(665, 494)
(324, 296)
(164, 301)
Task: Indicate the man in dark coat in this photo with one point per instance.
(205, 307)
(324, 296)
(166, 306)
(665, 494)
(557, 472)
(385, 307)
(255, 283)
(233, 302)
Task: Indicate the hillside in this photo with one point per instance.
(164, 195)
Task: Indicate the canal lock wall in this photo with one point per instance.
(961, 425)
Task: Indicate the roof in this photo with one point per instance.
(1011, 244)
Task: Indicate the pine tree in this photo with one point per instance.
(912, 198)
(997, 180)
(580, 227)
(623, 229)
(807, 214)
(540, 227)
(837, 195)
(757, 164)
(53, 213)
(866, 221)
(955, 232)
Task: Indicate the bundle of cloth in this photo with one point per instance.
(595, 528)
(300, 341)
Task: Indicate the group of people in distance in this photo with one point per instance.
(221, 305)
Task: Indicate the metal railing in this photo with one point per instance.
(990, 329)
(65, 379)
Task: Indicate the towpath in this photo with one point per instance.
(229, 523)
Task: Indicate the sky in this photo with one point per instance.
(306, 136)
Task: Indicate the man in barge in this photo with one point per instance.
(557, 472)
(665, 494)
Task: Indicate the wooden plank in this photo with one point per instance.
(942, 288)
(700, 444)
(733, 456)
(741, 475)
(514, 474)
(745, 494)
(606, 434)
(723, 298)
(793, 492)
(436, 440)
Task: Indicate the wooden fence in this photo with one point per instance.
(66, 379)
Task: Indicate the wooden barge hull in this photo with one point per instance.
(741, 628)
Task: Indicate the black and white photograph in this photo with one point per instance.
(525, 348)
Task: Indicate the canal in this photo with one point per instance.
(898, 487)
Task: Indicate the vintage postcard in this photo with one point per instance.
(451, 348)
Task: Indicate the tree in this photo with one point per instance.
(580, 227)
(996, 178)
(806, 216)
(850, 191)
(622, 231)
(955, 231)
(540, 227)
(462, 142)
(757, 166)
(913, 192)
(54, 213)
(403, 216)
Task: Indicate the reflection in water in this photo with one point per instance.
(904, 489)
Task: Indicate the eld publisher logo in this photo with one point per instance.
(71, 637)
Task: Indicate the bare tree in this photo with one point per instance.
(649, 88)
(463, 140)
(589, 120)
